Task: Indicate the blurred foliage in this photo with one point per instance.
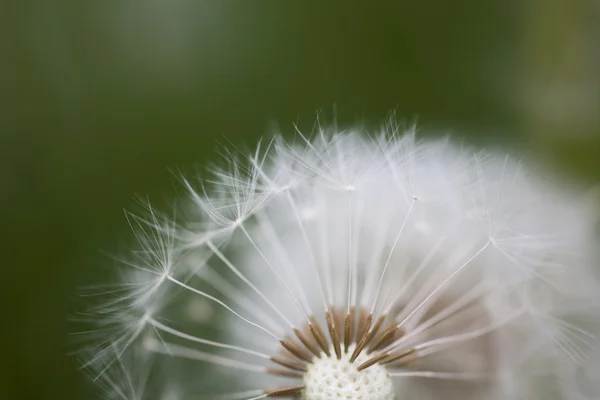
(100, 98)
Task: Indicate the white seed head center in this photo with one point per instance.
(333, 379)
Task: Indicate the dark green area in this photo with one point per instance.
(100, 99)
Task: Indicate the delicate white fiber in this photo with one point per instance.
(483, 275)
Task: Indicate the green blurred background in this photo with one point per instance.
(100, 98)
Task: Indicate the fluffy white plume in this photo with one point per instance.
(483, 276)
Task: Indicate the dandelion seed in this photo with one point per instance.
(347, 267)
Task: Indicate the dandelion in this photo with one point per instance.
(353, 267)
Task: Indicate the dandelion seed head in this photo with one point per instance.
(352, 266)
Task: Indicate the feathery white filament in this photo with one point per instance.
(345, 266)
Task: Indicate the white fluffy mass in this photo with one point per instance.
(489, 272)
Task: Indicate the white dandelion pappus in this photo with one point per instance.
(347, 267)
